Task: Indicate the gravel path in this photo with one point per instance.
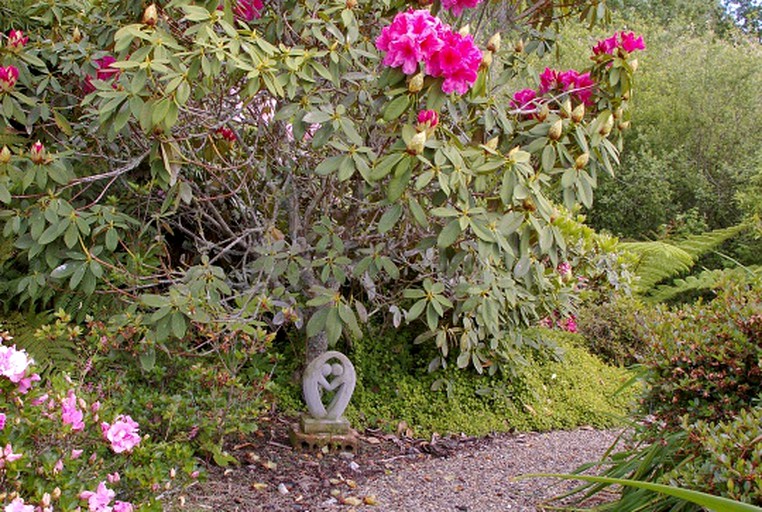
(392, 474)
(481, 480)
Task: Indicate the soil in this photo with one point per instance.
(395, 472)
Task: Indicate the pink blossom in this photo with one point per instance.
(457, 6)
(17, 40)
(548, 80)
(630, 42)
(568, 324)
(113, 477)
(9, 75)
(75, 454)
(226, 133)
(122, 434)
(70, 414)
(40, 400)
(104, 71)
(2, 420)
(458, 62)
(606, 46)
(579, 84)
(123, 506)
(99, 500)
(428, 118)
(521, 99)
(247, 10)
(37, 152)
(58, 467)
(564, 268)
(25, 384)
(14, 363)
(412, 38)
(7, 455)
(17, 505)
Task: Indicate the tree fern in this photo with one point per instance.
(660, 260)
(47, 337)
(706, 280)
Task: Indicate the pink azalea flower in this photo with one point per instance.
(458, 62)
(428, 118)
(630, 42)
(123, 506)
(523, 98)
(25, 384)
(17, 505)
(583, 87)
(2, 420)
(113, 477)
(17, 40)
(99, 500)
(412, 38)
(70, 414)
(58, 467)
(7, 455)
(122, 434)
(457, 6)
(9, 75)
(75, 454)
(14, 363)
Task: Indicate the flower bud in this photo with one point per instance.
(351, 4)
(5, 155)
(566, 108)
(427, 121)
(493, 44)
(465, 29)
(416, 144)
(542, 114)
(492, 143)
(76, 35)
(606, 127)
(150, 15)
(618, 113)
(37, 153)
(623, 125)
(512, 152)
(555, 130)
(9, 75)
(519, 46)
(56, 493)
(45, 500)
(416, 83)
(486, 60)
(578, 114)
(634, 65)
(581, 160)
(17, 40)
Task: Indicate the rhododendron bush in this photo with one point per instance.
(251, 166)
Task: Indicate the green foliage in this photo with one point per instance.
(704, 282)
(246, 176)
(705, 360)
(551, 390)
(613, 329)
(51, 343)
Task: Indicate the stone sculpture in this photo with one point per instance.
(331, 372)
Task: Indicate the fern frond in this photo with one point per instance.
(699, 245)
(706, 280)
(657, 261)
(30, 333)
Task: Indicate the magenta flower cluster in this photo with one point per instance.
(104, 71)
(100, 500)
(626, 41)
(246, 10)
(579, 85)
(418, 37)
(457, 6)
(17, 40)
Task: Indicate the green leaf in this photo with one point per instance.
(398, 184)
(148, 359)
(333, 326)
(396, 107)
(415, 311)
(699, 498)
(316, 322)
(329, 165)
(449, 234)
(548, 158)
(154, 301)
(389, 218)
(418, 214)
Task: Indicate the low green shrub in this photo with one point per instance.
(613, 329)
(547, 392)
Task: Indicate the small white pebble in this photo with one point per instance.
(282, 489)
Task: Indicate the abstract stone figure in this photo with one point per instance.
(321, 375)
(326, 427)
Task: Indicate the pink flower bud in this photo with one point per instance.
(37, 153)
(9, 75)
(113, 478)
(16, 40)
(58, 467)
(75, 454)
(429, 118)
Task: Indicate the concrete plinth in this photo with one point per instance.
(310, 425)
(346, 442)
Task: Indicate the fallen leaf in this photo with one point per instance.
(352, 484)
(352, 501)
(260, 486)
(370, 500)
(270, 465)
(373, 440)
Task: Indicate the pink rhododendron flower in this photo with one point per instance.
(37, 153)
(2, 420)
(123, 506)
(428, 118)
(226, 133)
(608, 46)
(458, 62)
(122, 434)
(17, 40)
(14, 363)
(579, 84)
(630, 42)
(99, 500)
(521, 99)
(546, 322)
(104, 71)
(9, 75)
(548, 80)
(17, 505)
(412, 38)
(568, 324)
(564, 268)
(457, 6)
(70, 414)
(248, 10)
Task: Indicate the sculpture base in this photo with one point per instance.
(346, 441)
(310, 425)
